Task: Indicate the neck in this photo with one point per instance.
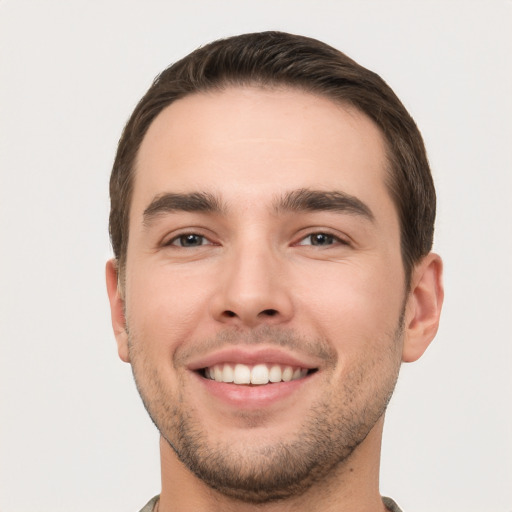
(353, 485)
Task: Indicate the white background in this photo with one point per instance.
(73, 433)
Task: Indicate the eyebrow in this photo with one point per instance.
(318, 200)
(300, 200)
(190, 202)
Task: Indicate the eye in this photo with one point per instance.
(189, 240)
(321, 240)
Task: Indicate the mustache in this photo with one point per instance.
(318, 348)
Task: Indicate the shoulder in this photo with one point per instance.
(391, 505)
(150, 505)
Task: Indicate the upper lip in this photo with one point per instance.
(252, 356)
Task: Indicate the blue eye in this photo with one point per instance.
(189, 240)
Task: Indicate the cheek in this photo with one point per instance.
(352, 303)
(164, 307)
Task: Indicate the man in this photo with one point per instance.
(272, 220)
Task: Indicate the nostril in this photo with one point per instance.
(264, 313)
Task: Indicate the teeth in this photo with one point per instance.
(275, 373)
(259, 374)
(287, 374)
(242, 374)
(228, 374)
(217, 373)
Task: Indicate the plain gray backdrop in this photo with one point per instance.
(73, 432)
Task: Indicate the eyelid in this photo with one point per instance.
(173, 241)
(339, 239)
(169, 239)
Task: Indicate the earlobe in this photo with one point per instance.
(423, 307)
(117, 309)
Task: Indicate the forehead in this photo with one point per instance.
(252, 142)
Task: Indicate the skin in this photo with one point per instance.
(255, 279)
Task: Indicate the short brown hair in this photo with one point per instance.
(278, 59)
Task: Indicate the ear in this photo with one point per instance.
(423, 307)
(117, 310)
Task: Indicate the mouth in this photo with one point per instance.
(256, 375)
(253, 378)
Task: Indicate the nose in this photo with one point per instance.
(253, 289)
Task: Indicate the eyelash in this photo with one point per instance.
(183, 236)
(334, 240)
(180, 240)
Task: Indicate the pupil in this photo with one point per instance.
(191, 240)
(321, 239)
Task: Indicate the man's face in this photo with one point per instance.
(263, 245)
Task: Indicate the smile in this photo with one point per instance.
(259, 374)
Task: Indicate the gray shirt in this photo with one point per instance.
(388, 502)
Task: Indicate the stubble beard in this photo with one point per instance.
(275, 470)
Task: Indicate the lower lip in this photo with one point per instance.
(252, 397)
